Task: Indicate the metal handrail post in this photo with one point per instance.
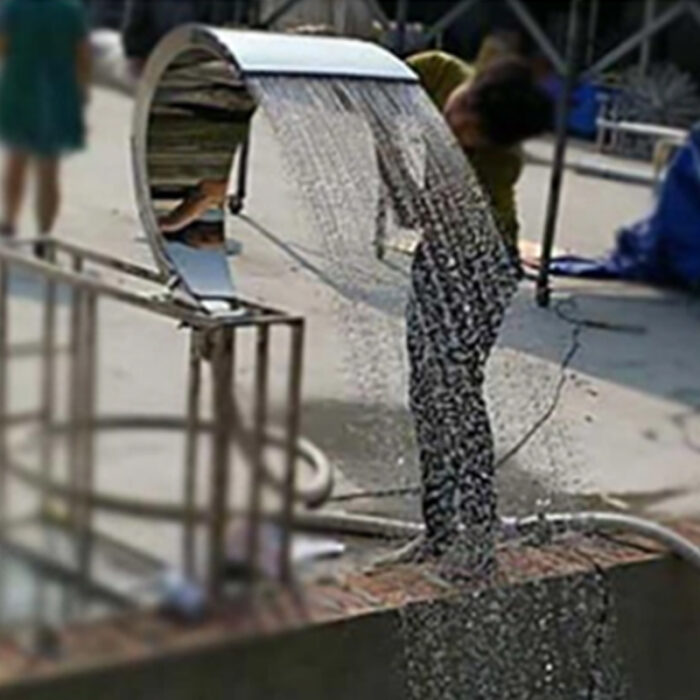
(222, 363)
(562, 135)
(194, 389)
(296, 368)
(262, 360)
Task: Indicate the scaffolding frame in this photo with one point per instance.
(579, 61)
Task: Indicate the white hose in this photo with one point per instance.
(317, 488)
(609, 523)
(371, 526)
(358, 525)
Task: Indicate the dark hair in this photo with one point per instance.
(511, 106)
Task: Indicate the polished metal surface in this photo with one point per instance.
(267, 53)
(191, 120)
(191, 130)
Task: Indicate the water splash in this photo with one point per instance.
(364, 153)
(347, 144)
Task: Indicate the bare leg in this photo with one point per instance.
(13, 189)
(48, 197)
(48, 194)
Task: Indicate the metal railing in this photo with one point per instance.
(213, 344)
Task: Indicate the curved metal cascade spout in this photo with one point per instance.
(191, 127)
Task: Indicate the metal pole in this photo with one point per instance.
(378, 11)
(296, 368)
(694, 10)
(48, 342)
(280, 12)
(4, 336)
(77, 453)
(4, 411)
(262, 361)
(537, 33)
(75, 385)
(593, 18)
(572, 58)
(447, 20)
(88, 391)
(659, 24)
(401, 26)
(239, 12)
(341, 16)
(645, 53)
(191, 454)
(222, 360)
(49, 378)
(186, 313)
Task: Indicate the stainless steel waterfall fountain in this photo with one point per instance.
(196, 75)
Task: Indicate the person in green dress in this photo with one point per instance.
(43, 93)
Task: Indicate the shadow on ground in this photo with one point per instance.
(636, 337)
(373, 449)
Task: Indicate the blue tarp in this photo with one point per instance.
(584, 108)
(664, 248)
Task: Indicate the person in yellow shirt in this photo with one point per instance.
(461, 286)
(491, 108)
